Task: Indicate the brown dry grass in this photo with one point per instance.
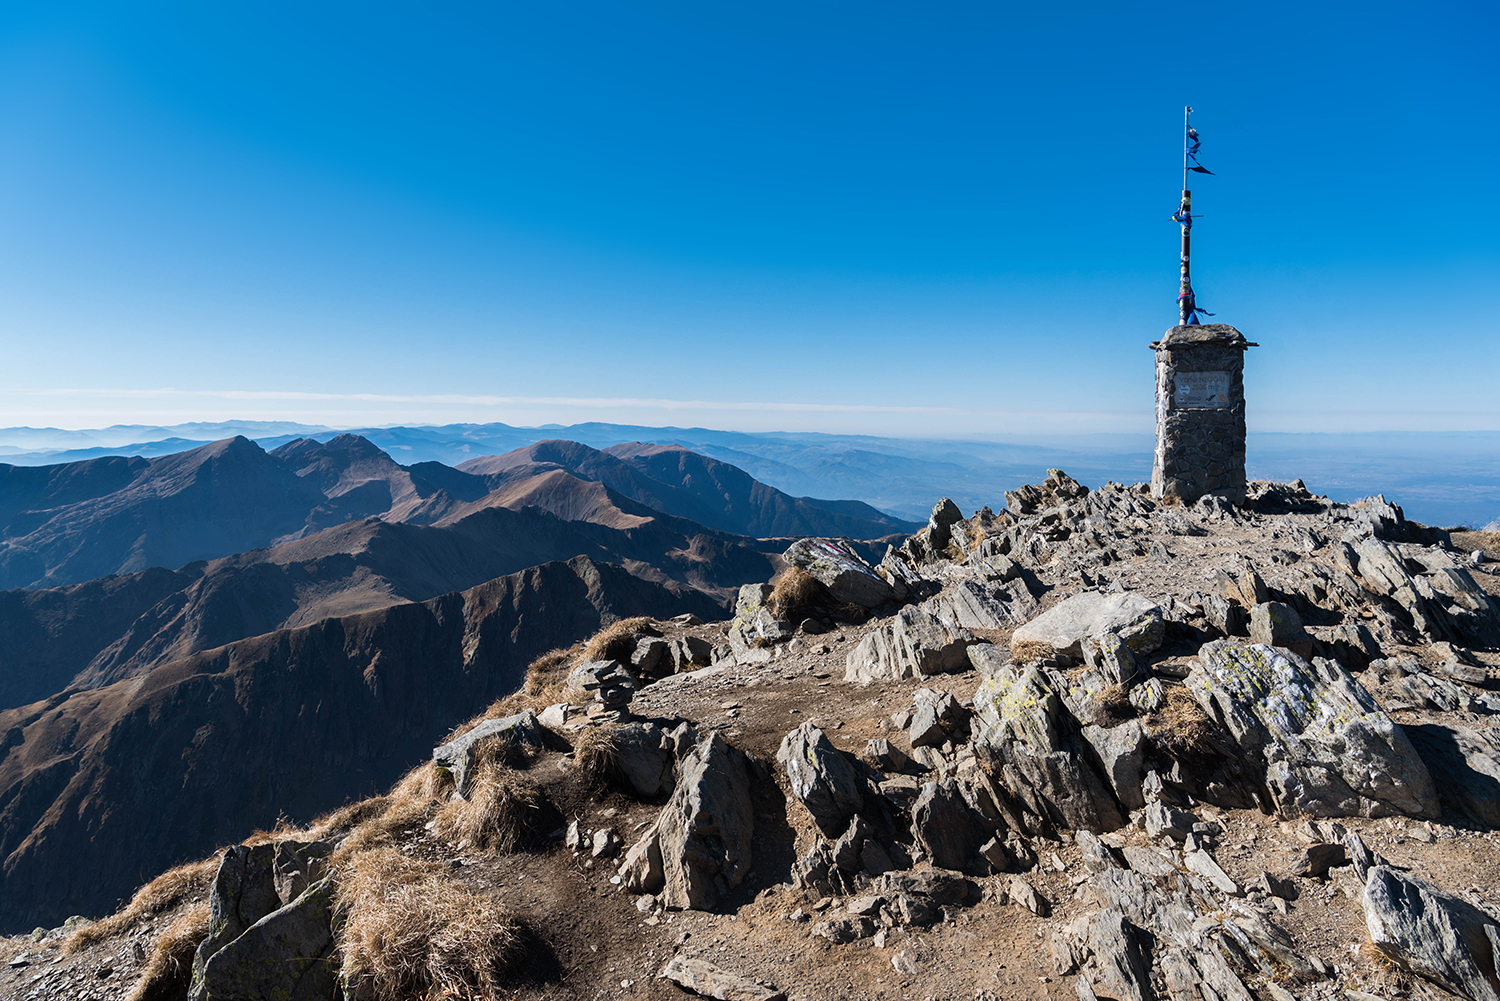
(1181, 724)
(166, 974)
(546, 684)
(411, 801)
(596, 757)
(161, 894)
(615, 641)
(1028, 651)
(501, 811)
(797, 595)
(1469, 541)
(411, 933)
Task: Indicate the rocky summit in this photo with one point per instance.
(1088, 746)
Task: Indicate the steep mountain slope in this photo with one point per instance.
(99, 789)
(677, 481)
(221, 498)
(93, 634)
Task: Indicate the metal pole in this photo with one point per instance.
(1185, 293)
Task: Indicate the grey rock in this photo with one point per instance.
(1276, 886)
(1020, 892)
(1063, 628)
(1027, 737)
(911, 644)
(753, 624)
(849, 579)
(848, 850)
(1273, 623)
(702, 977)
(1122, 954)
(457, 756)
(645, 757)
(1109, 656)
(698, 849)
(296, 865)
(936, 718)
(1432, 933)
(243, 892)
(1314, 861)
(651, 658)
(987, 658)
(972, 606)
(286, 955)
(1245, 589)
(887, 756)
(605, 844)
(1227, 619)
(1148, 861)
(944, 826)
(1121, 751)
(1328, 749)
(1166, 821)
(689, 652)
(1203, 864)
(822, 778)
(1466, 766)
(842, 931)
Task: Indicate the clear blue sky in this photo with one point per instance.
(895, 218)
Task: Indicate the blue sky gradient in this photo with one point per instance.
(874, 218)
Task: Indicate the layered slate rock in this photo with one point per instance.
(754, 624)
(1466, 766)
(698, 849)
(1328, 749)
(824, 779)
(286, 955)
(1063, 628)
(970, 605)
(912, 644)
(457, 757)
(1433, 933)
(849, 579)
(1029, 738)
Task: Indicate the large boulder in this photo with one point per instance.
(645, 755)
(1432, 933)
(457, 756)
(286, 955)
(911, 644)
(1273, 623)
(1063, 628)
(973, 606)
(1328, 749)
(243, 892)
(944, 827)
(1466, 766)
(825, 780)
(698, 849)
(849, 579)
(754, 625)
(1030, 741)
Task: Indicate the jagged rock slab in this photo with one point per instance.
(972, 606)
(698, 849)
(823, 779)
(1466, 766)
(457, 756)
(286, 955)
(911, 644)
(944, 827)
(1433, 933)
(849, 579)
(1328, 749)
(1063, 628)
(1030, 740)
(702, 977)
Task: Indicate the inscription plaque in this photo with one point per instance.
(1202, 390)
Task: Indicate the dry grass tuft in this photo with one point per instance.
(410, 933)
(797, 595)
(161, 894)
(410, 801)
(1114, 707)
(596, 756)
(546, 684)
(614, 642)
(501, 811)
(170, 968)
(1026, 652)
(1182, 726)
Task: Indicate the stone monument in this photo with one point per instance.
(1200, 413)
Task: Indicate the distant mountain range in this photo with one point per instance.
(1441, 478)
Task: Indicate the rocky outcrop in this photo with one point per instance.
(825, 780)
(911, 644)
(835, 564)
(698, 850)
(1063, 628)
(1030, 743)
(1465, 764)
(1433, 933)
(1327, 748)
(520, 731)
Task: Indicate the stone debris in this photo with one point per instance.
(702, 977)
(1137, 621)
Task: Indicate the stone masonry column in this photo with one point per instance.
(1200, 413)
